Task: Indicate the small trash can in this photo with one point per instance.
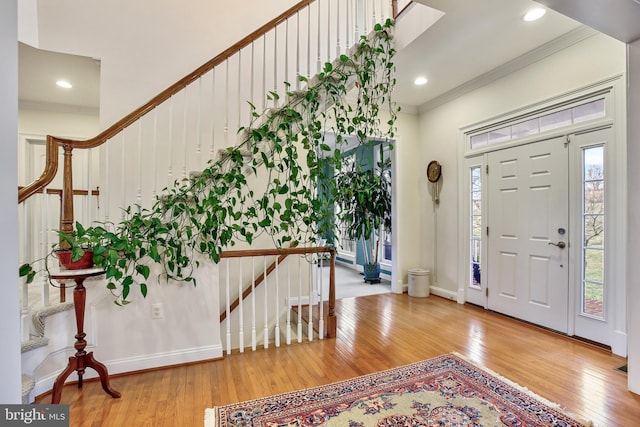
(419, 282)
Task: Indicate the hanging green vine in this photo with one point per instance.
(285, 147)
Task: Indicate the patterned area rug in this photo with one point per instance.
(444, 391)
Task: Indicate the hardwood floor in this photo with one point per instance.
(374, 333)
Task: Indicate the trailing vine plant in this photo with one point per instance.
(285, 146)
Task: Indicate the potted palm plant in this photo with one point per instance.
(364, 200)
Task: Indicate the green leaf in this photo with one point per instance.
(144, 271)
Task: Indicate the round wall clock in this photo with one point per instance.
(434, 170)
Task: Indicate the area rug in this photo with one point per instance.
(445, 391)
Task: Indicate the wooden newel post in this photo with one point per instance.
(331, 319)
(394, 8)
(66, 219)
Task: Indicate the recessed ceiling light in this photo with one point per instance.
(420, 81)
(534, 14)
(64, 84)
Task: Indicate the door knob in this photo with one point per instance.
(560, 244)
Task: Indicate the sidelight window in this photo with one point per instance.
(593, 231)
(475, 238)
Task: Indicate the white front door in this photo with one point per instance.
(528, 274)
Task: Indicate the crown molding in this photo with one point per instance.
(566, 40)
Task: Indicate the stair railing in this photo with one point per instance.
(286, 282)
(184, 126)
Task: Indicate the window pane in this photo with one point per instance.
(594, 265)
(500, 135)
(479, 140)
(555, 120)
(589, 111)
(475, 264)
(523, 129)
(594, 163)
(593, 231)
(593, 300)
(594, 197)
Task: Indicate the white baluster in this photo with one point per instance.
(226, 105)
(264, 72)
(308, 42)
(277, 317)
(139, 191)
(123, 176)
(356, 19)
(320, 281)
(252, 84)
(240, 307)
(199, 125)
(228, 308)
(170, 139)
(311, 302)
(373, 14)
(286, 52)
(338, 30)
(298, 50)
(299, 299)
(24, 287)
(319, 66)
(185, 114)
(213, 118)
(328, 31)
(275, 65)
(366, 15)
(107, 193)
(266, 305)
(239, 89)
(253, 305)
(44, 247)
(155, 156)
(86, 201)
(347, 26)
(288, 301)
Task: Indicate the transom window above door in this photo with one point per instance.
(544, 122)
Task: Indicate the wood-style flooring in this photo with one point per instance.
(374, 333)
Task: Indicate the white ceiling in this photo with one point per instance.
(38, 71)
(465, 48)
(472, 40)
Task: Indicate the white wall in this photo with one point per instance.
(64, 125)
(146, 45)
(407, 180)
(633, 248)
(9, 307)
(594, 59)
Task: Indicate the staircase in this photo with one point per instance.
(163, 142)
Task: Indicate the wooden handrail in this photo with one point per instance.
(50, 170)
(394, 8)
(282, 254)
(58, 192)
(53, 142)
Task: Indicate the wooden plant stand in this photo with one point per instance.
(81, 360)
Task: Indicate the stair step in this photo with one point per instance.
(33, 343)
(28, 383)
(40, 314)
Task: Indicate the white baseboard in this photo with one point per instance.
(137, 363)
(444, 293)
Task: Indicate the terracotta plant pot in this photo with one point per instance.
(64, 257)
